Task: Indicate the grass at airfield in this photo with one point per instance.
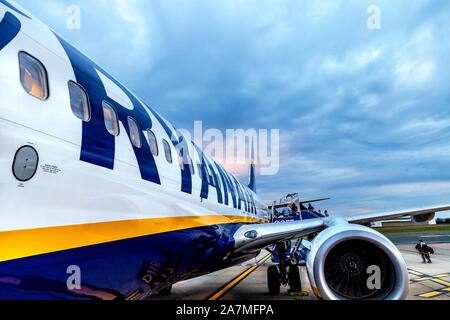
(437, 227)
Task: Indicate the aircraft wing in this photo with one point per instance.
(370, 217)
(255, 237)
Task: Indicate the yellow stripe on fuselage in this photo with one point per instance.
(31, 242)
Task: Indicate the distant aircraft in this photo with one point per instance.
(98, 200)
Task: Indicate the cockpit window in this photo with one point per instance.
(135, 133)
(33, 76)
(79, 102)
(111, 121)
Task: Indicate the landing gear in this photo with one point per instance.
(273, 280)
(295, 259)
(285, 273)
(295, 283)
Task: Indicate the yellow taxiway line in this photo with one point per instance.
(220, 293)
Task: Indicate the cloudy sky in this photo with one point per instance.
(364, 115)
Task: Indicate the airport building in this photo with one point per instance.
(399, 222)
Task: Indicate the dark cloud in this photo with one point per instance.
(357, 109)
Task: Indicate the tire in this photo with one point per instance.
(294, 259)
(273, 280)
(294, 279)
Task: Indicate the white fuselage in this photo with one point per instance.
(72, 206)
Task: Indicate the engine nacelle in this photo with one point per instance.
(356, 262)
(423, 217)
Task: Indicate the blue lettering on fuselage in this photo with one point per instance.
(228, 184)
(180, 145)
(9, 28)
(215, 181)
(205, 173)
(251, 201)
(224, 184)
(98, 145)
(239, 192)
(6, 3)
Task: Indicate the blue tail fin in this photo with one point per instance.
(251, 179)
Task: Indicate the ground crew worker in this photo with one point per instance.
(424, 251)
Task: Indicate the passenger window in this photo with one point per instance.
(135, 133)
(79, 102)
(153, 143)
(167, 151)
(111, 120)
(33, 76)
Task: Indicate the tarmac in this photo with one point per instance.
(249, 280)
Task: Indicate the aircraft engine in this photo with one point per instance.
(349, 262)
(423, 217)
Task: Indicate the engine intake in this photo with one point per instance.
(356, 262)
(423, 217)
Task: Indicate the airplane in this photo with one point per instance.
(101, 201)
